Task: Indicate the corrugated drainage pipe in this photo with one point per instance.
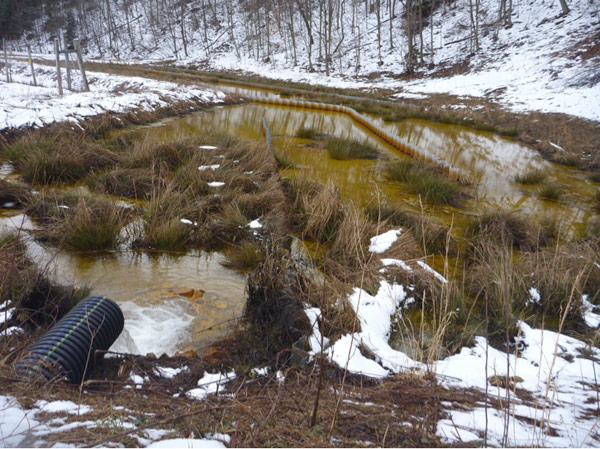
(67, 349)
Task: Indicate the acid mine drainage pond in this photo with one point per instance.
(176, 302)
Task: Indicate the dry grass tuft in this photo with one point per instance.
(39, 302)
(16, 193)
(531, 177)
(431, 185)
(551, 191)
(505, 228)
(244, 257)
(163, 229)
(348, 257)
(344, 149)
(136, 183)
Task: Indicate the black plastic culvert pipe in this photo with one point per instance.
(67, 349)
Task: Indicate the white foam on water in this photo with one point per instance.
(157, 328)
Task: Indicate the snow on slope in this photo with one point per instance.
(22, 104)
(557, 372)
(538, 64)
(534, 65)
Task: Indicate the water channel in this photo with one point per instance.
(158, 319)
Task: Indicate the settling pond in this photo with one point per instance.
(148, 287)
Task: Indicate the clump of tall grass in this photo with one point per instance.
(136, 183)
(560, 275)
(60, 157)
(348, 258)
(595, 177)
(343, 149)
(40, 167)
(88, 229)
(245, 256)
(505, 228)
(318, 209)
(163, 229)
(438, 324)
(11, 192)
(531, 177)
(551, 191)
(283, 161)
(430, 185)
(78, 221)
(432, 237)
(307, 133)
(230, 224)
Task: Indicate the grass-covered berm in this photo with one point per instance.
(302, 247)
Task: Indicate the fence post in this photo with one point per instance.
(6, 64)
(58, 75)
(77, 45)
(31, 64)
(64, 36)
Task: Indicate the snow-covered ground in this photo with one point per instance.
(532, 66)
(544, 62)
(20, 427)
(22, 104)
(559, 372)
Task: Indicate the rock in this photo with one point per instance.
(197, 295)
(190, 293)
(187, 354)
(151, 355)
(187, 292)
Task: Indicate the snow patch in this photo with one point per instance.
(383, 242)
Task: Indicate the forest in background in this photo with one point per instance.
(326, 36)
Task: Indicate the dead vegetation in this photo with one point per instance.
(182, 210)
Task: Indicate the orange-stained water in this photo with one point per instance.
(491, 162)
(145, 284)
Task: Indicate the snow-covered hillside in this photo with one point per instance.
(22, 104)
(543, 60)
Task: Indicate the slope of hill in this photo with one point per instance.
(536, 58)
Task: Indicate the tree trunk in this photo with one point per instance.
(565, 7)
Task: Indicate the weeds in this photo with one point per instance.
(307, 133)
(505, 228)
(344, 149)
(88, 229)
(551, 191)
(244, 257)
(10, 192)
(424, 181)
(531, 177)
(283, 162)
(595, 177)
